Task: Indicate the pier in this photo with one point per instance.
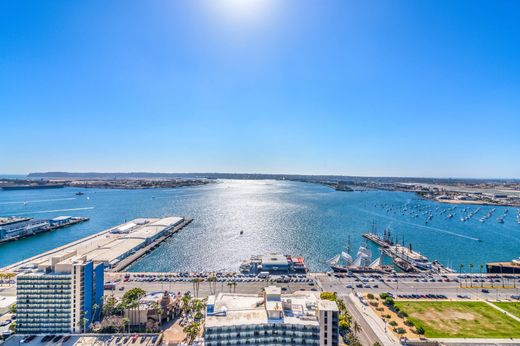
(404, 257)
(126, 262)
(116, 247)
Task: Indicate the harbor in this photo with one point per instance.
(274, 216)
(117, 247)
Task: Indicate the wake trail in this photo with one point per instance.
(39, 201)
(52, 211)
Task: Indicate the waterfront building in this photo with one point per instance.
(113, 245)
(23, 228)
(271, 319)
(63, 295)
(512, 267)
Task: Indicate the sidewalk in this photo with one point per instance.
(374, 322)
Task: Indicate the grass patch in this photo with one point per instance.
(512, 307)
(460, 319)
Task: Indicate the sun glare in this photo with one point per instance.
(242, 10)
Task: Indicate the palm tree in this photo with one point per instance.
(471, 277)
(95, 308)
(126, 322)
(192, 330)
(158, 312)
(196, 285)
(229, 286)
(460, 271)
(356, 327)
(481, 282)
(212, 280)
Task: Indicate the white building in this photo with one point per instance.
(271, 319)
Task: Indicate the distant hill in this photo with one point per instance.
(295, 177)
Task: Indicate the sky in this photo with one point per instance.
(374, 88)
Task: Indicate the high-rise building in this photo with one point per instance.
(271, 319)
(63, 295)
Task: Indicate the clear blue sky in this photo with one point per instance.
(394, 88)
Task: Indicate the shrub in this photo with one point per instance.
(328, 296)
(409, 323)
(389, 301)
(399, 330)
(384, 295)
(343, 326)
(392, 323)
(370, 296)
(420, 330)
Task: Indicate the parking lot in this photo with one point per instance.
(78, 340)
(424, 286)
(119, 283)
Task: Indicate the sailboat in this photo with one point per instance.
(363, 262)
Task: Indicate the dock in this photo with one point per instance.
(405, 258)
(12, 229)
(116, 247)
(377, 240)
(125, 263)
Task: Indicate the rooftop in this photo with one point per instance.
(242, 309)
(111, 245)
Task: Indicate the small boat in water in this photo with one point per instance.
(79, 193)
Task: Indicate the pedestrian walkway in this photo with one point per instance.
(374, 322)
(502, 310)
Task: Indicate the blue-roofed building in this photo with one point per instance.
(63, 295)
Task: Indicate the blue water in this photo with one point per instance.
(276, 216)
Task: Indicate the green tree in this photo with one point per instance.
(158, 311)
(126, 323)
(328, 296)
(192, 330)
(12, 308)
(344, 326)
(110, 305)
(341, 305)
(196, 285)
(389, 301)
(12, 327)
(133, 295)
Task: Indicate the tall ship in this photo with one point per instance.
(363, 263)
(405, 255)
